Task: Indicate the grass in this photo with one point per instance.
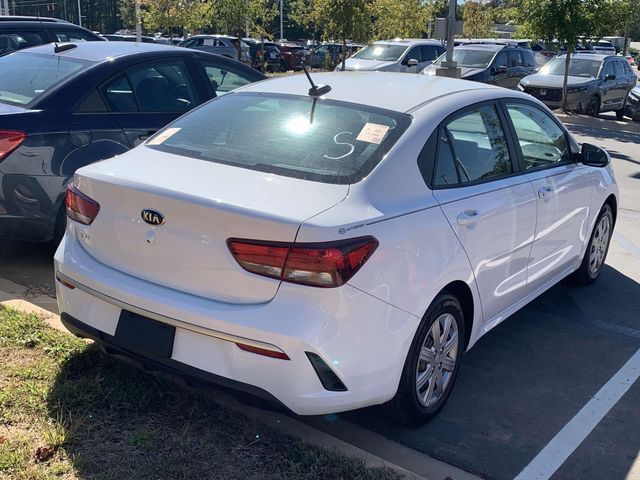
(68, 411)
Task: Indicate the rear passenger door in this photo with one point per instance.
(563, 191)
(145, 98)
(491, 208)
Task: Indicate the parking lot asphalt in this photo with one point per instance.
(528, 378)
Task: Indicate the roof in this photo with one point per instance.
(588, 56)
(17, 18)
(409, 41)
(392, 91)
(491, 47)
(98, 51)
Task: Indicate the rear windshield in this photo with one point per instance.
(27, 76)
(331, 142)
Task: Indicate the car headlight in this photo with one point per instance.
(520, 87)
(431, 72)
(577, 89)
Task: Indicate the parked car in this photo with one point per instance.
(542, 53)
(220, 44)
(604, 47)
(331, 53)
(498, 64)
(270, 54)
(410, 56)
(596, 83)
(18, 32)
(86, 104)
(259, 242)
(114, 37)
(292, 55)
(632, 107)
(631, 59)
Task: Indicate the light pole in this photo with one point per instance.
(138, 23)
(79, 14)
(281, 19)
(449, 67)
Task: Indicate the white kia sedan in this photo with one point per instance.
(331, 250)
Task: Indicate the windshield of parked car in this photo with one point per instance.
(381, 51)
(290, 135)
(470, 58)
(578, 67)
(27, 76)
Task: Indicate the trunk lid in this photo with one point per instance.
(203, 204)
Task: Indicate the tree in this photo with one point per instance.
(127, 13)
(399, 18)
(478, 21)
(566, 22)
(344, 20)
(236, 16)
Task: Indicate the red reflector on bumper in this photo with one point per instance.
(64, 282)
(262, 351)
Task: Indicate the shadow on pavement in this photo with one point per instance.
(527, 378)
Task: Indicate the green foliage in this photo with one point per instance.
(399, 18)
(478, 20)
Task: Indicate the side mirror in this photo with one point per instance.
(412, 62)
(609, 76)
(594, 156)
(502, 69)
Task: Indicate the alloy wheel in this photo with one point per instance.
(437, 360)
(599, 245)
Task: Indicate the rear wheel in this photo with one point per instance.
(432, 364)
(60, 226)
(597, 248)
(620, 113)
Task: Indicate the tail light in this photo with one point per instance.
(81, 208)
(319, 265)
(9, 141)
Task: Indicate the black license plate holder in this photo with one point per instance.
(145, 335)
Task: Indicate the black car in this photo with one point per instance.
(67, 105)
(498, 64)
(21, 32)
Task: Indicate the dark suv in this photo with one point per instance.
(495, 63)
(22, 32)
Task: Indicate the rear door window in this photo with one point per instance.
(16, 40)
(224, 78)
(515, 59)
(476, 143)
(290, 135)
(72, 36)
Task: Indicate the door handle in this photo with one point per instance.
(545, 193)
(144, 136)
(468, 217)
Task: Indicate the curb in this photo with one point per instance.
(406, 461)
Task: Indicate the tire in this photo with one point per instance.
(597, 249)
(593, 107)
(60, 226)
(416, 404)
(620, 114)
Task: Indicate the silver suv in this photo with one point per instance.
(220, 44)
(410, 56)
(597, 83)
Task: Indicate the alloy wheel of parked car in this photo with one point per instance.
(597, 249)
(593, 107)
(432, 364)
(437, 359)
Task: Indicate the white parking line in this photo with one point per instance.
(554, 454)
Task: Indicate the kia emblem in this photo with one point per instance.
(152, 217)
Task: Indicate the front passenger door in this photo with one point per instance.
(491, 209)
(563, 189)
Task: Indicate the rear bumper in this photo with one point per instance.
(361, 338)
(84, 330)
